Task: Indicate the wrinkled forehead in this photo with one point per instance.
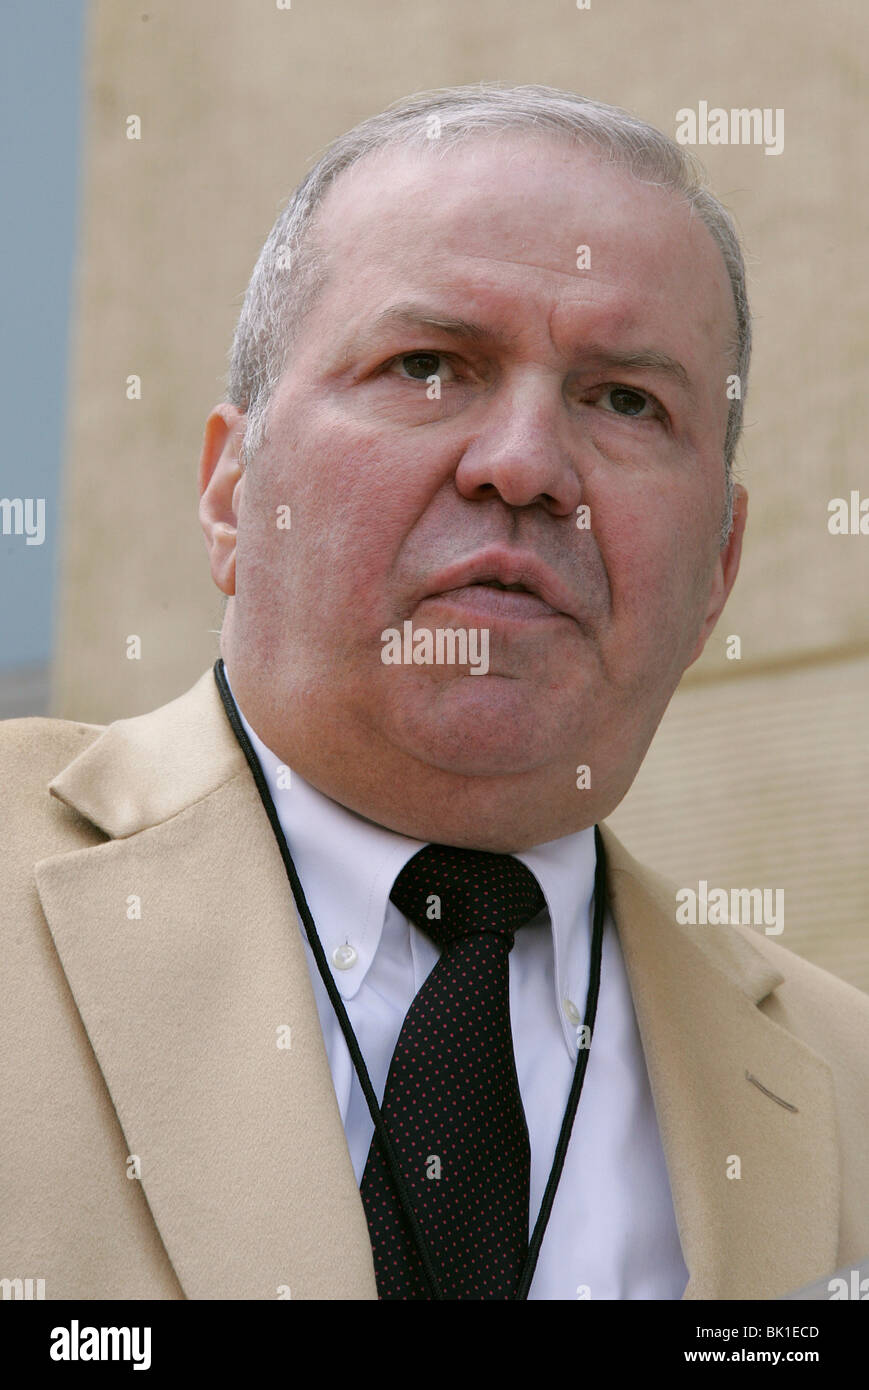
(516, 208)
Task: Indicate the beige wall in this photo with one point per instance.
(759, 772)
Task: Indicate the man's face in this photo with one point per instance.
(559, 388)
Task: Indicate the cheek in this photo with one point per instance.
(342, 475)
(659, 558)
(354, 497)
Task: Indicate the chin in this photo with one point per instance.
(487, 727)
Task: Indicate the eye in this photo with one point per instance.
(625, 400)
(419, 366)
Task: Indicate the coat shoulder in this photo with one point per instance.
(830, 1014)
(808, 977)
(32, 752)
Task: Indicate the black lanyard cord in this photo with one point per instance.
(578, 1076)
(361, 1070)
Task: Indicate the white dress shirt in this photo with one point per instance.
(612, 1230)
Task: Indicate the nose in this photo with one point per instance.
(520, 453)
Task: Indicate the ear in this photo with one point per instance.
(221, 480)
(726, 570)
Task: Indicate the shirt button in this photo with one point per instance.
(571, 1012)
(344, 957)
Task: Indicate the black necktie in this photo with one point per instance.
(452, 1104)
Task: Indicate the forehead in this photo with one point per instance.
(502, 219)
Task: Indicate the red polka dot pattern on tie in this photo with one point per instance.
(452, 1104)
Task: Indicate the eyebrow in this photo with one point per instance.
(416, 316)
(410, 316)
(647, 359)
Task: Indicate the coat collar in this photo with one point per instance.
(122, 783)
(243, 1156)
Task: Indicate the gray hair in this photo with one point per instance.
(290, 270)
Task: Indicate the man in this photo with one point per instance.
(311, 969)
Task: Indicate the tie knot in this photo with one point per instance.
(451, 893)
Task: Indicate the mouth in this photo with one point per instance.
(501, 583)
(497, 584)
(487, 601)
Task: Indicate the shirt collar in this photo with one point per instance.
(347, 866)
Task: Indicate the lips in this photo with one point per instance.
(504, 583)
(493, 601)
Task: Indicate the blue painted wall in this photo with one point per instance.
(41, 53)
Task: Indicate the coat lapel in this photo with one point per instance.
(696, 992)
(240, 1142)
